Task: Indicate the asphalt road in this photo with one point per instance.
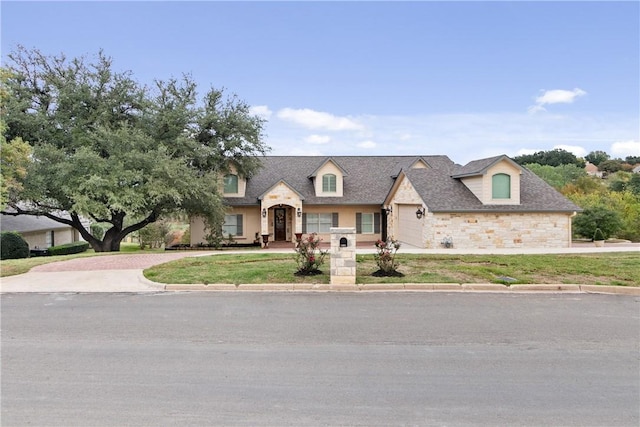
(282, 359)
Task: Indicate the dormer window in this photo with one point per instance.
(501, 186)
(230, 184)
(329, 183)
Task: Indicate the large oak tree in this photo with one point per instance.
(106, 147)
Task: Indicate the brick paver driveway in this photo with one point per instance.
(114, 262)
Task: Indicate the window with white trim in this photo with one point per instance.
(318, 222)
(329, 183)
(232, 225)
(501, 186)
(366, 223)
(230, 184)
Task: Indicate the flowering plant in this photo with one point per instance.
(309, 256)
(385, 256)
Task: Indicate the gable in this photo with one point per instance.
(328, 180)
(495, 181)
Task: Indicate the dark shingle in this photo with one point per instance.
(369, 179)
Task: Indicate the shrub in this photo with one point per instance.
(69, 248)
(98, 229)
(598, 235)
(607, 220)
(309, 256)
(154, 235)
(13, 246)
(385, 257)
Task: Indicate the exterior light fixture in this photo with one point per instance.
(299, 212)
(388, 209)
(420, 212)
(264, 213)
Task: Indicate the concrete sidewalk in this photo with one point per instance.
(123, 273)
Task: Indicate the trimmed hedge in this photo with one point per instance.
(69, 248)
(13, 246)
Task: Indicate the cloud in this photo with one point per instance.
(462, 136)
(625, 148)
(261, 111)
(367, 144)
(318, 120)
(317, 139)
(556, 96)
(577, 150)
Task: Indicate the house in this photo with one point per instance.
(593, 170)
(423, 201)
(40, 232)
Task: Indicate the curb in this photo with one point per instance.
(398, 287)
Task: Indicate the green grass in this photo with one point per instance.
(619, 269)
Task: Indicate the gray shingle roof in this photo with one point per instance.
(442, 193)
(368, 180)
(479, 167)
(29, 223)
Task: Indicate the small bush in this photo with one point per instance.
(598, 235)
(13, 246)
(385, 257)
(309, 256)
(69, 248)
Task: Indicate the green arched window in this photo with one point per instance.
(501, 186)
(230, 184)
(329, 183)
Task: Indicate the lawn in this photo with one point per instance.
(589, 269)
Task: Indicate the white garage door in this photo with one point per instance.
(409, 227)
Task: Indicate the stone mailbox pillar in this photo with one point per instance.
(343, 256)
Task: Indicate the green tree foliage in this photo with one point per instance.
(633, 185)
(557, 176)
(108, 148)
(14, 154)
(13, 246)
(596, 157)
(632, 160)
(598, 217)
(554, 157)
(611, 166)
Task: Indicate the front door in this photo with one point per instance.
(280, 226)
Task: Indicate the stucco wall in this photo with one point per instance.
(251, 225)
(38, 239)
(253, 221)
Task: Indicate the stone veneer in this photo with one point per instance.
(343, 259)
(498, 230)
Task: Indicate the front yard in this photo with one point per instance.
(619, 269)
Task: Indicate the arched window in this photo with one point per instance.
(329, 183)
(230, 184)
(501, 186)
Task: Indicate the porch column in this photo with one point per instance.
(264, 224)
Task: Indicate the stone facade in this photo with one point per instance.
(498, 230)
(480, 230)
(343, 256)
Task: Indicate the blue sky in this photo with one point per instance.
(464, 79)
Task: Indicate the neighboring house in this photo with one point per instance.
(40, 232)
(593, 170)
(424, 201)
(636, 169)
